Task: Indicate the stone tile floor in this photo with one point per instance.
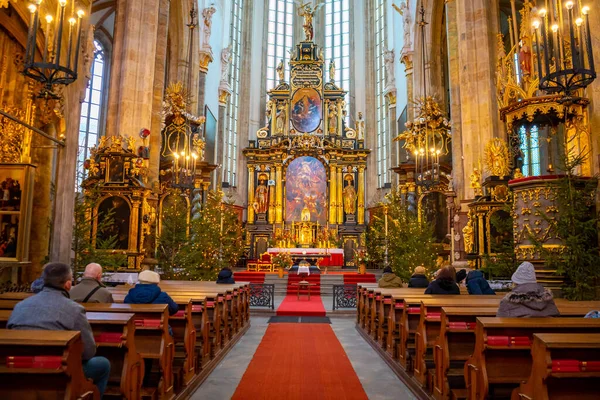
(377, 378)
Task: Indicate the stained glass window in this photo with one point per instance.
(92, 111)
(383, 145)
(280, 31)
(337, 41)
(231, 123)
(530, 149)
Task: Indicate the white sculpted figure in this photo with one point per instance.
(404, 10)
(360, 127)
(225, 61)
(207, 14)
(388, 57)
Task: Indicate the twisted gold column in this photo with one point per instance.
(340, 203)
(332, 195)
(278, 195)
(272, 199)
(361, 195)
(250, 194)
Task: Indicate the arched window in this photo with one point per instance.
(92, 111)
(383, 141)
(337, 41)
(530, 149)
(230, 151)
(280, 32)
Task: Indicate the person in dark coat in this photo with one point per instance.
(528, 298)
(476, 283)
(418, 278)
(148, 292)
(225, 276)
(389, 279)
(445, 283)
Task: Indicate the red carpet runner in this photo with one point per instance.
(303, 307)
(300, 361)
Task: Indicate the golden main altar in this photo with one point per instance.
(306, 168)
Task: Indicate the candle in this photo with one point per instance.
(80, 15)
(72, 22)
(62, 4)
(48, 22)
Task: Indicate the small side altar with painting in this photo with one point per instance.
(306, 168)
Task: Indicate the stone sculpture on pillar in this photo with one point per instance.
(225, 61)
(207, 14)
(404, 10)
(360, 127)
(388, 57)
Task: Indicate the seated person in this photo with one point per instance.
(476, 283)
(418, 278)
(91, 289)
(52, 309)
(225, 276)
(37, 285)
(444, 283)
(389, 279)
(528, 298)
(147, 292)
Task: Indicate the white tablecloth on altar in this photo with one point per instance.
(302, 269)
(330, 257)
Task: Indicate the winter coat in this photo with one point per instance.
(53, 310)
(390, 281)
(225, 276)
(418, 281)
(80, 291)
(528, 300)
(442, 286)
(476, 283)
(150, 293)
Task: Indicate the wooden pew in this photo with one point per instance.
(502, 356)
(152, 339)
(549, 380)
(456, 343)
(115, 337)
(8, 304)
(15, 295)
(64, 380)
(428, 329)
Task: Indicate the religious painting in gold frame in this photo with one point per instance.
(16, 191)
(306, 110)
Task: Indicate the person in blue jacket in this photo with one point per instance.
(147, 292)
(226, 276)
(476, 283)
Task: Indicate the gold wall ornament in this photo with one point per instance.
(475, 179)
(468, 237)
(500, 193)
(206, 58)
(497, 158)
(518, 174)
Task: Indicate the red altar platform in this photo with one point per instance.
(329, 257)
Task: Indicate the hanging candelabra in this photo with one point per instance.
(47, 68)
(428, 135)
(565, 60)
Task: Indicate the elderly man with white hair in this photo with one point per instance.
(91, 289)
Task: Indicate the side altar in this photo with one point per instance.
(306, 168)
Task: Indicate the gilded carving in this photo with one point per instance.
(497, 159)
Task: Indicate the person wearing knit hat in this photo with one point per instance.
(147, 292)
(528, 298)
(419, 278)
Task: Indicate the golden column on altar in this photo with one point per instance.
(279, 194)
(340, 203)
(332, 195)
(272, 200)
(251, 194)
(361, 195)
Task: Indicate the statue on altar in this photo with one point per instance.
(307, 11)
(261, 195)
(305, 216)
(349, 195)
(306, 235)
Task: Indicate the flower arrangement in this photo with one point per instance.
(282, 260)
(362, 256)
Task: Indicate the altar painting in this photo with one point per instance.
(307, 110)
(306, 190)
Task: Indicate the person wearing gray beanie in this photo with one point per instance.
(528, 298)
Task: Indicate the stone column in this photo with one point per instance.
(279, 195)
(392, 131)
(206, 58)
(272, 200)
(332, 195)
(361, 195)
(340, 203)
(250, 194)
(224, 94)
(407, 60)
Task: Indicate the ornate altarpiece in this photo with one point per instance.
(306, 170)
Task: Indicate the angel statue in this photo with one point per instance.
(308, 11)
(404, 11)
(332, 70)
(280, 71)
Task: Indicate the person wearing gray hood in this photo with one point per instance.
(528, 298)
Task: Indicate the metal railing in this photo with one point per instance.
(344, 296)
(262, 295)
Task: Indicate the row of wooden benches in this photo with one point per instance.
(453, 346)
(210, 319)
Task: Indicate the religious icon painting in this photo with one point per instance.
(116, 170)
(11, 180)
(307, 110)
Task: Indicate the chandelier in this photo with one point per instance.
(565, 60)
(47, 68)
(427, 136)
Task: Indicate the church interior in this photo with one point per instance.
(293, 199)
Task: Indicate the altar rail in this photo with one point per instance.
(344, 296)
(262, 295)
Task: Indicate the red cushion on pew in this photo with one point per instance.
(414, 310)
(508, 341)
(179, 314)
(387, 301)
(377, 298)
(210, 304)
(45, 362)
(228, 297)
(399, 305)
(108, 337)
(148, 323)
(565, 366)
(457, 325)
(593, 366)
(197, 308)
(434, 315)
